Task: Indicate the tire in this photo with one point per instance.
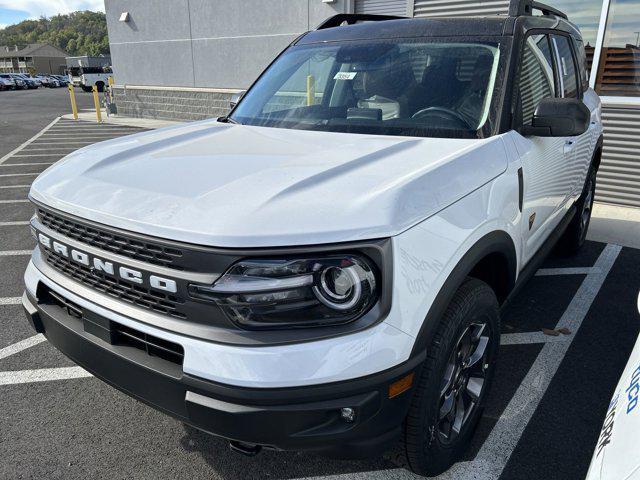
(576, 233)
(425, 448)
(100, 86)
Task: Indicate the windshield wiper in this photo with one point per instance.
(228, 119)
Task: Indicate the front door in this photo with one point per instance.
(546, 161)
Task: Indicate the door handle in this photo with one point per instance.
(568, 146)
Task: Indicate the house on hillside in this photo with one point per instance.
(32, 58)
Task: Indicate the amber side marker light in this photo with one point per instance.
(401, 386)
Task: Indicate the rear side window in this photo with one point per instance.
(536, 75)
(566, 66)
(583, 74)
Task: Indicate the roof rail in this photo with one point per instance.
(526, 7)
(351, 18)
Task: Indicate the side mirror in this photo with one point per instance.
(558, 117)
(235, 98)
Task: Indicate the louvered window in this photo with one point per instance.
(619, 67)
(382, 7)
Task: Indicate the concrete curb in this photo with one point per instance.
(90, 116)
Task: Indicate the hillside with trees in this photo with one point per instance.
(78, 33)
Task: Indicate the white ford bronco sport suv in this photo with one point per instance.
(324, 268)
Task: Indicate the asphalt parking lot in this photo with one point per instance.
(542, 421)
(23, 113)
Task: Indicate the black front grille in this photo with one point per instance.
(154, 346)
(121, 289)
(115, 333)
(144, 251)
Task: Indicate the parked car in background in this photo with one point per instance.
(19, 82)
(9, 80)
(64, 81)
(48, 81)
(616, 453)
(44, 80)
(87, 77)
(7, 84)
(30, 83)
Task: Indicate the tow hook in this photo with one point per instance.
(246, 449)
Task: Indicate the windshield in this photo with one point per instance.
(422, 87)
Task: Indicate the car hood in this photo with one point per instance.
(242, 186)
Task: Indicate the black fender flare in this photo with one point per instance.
(597, 152)
(495, 242)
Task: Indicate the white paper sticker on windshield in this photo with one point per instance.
(345, 75)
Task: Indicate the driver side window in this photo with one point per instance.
(536, 75)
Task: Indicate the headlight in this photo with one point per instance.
(299, 292)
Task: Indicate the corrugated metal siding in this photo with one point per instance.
(382, 7)
(619, 174)
(458, 8)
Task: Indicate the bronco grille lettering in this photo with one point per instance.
(100, 265)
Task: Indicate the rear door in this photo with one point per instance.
(577, 149)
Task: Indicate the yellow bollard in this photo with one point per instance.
(72, 96)
(96, 102)
(311, 90)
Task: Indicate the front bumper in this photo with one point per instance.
(298, 418)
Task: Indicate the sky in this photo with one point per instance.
(14, 11)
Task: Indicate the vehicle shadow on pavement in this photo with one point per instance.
(270, 464)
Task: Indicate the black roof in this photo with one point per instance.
(411, 28)
(520, 17)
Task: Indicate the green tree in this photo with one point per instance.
(77, 33)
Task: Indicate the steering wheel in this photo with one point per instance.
(444, 114)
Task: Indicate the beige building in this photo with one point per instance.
(32, 58)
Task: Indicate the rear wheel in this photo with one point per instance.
(100, 86)
(576, 233)
(457, 374)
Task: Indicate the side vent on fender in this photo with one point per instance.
(520, 189)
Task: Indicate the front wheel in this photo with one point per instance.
(454, 381)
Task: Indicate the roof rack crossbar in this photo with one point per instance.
(351, 18)
(526, 7)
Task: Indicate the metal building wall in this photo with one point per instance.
(619, 175)
(458, 8)
(382, 7)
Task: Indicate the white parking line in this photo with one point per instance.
(64, 142)
(14, 224)
(93, 129)
(59, 155)
(31, 140)
(15, 253)
(21, 345)
(566, 271)
(30, 149)
(42, 375)
(13, 186)
(17, 174)
(64, 136)
(25, 164)
(10, 300)
(21, 200)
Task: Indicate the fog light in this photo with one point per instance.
(348, 414)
